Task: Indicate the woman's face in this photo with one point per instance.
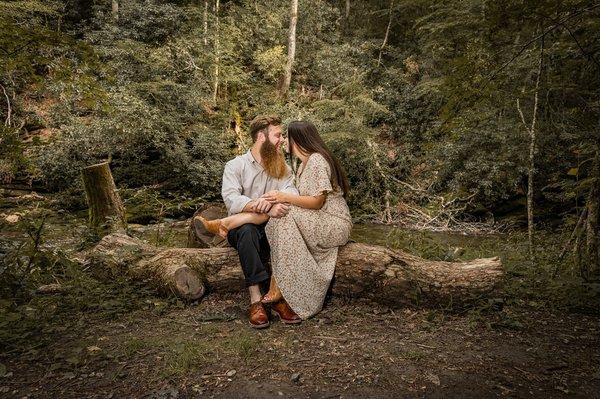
(290, 149)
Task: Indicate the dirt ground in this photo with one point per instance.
(166, 350)
(350, 350)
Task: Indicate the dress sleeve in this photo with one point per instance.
(318, 175)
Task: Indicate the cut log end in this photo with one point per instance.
(187, 285)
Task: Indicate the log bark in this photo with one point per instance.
(169, 272)
(387, 276)
(106, 210)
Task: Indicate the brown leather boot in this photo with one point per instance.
(258, 316)
(213, 226)
(274, 294)
(285, 313)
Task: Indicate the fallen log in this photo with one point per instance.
(387, 276)
(170, 273)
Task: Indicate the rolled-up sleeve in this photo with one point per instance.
(231, 190)
(287, 184)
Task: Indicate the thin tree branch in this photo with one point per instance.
(387, 33)
(536, 38)
(590, 56)
(17, 49)
(7, 122)
(514, 57)
(522, 116)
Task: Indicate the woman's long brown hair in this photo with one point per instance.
(305, 136)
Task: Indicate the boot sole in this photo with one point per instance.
(259, 326)
(285, 321)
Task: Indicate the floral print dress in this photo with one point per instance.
(304, 243)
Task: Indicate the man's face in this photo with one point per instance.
(271, 155)
(274, 136)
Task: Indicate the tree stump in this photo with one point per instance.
(106, 210)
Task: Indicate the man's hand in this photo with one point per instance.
(275, 196)
(279, 210)
(262, 205)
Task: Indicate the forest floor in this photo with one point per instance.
(348, 351)
(117, 340)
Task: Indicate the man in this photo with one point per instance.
(245, 179)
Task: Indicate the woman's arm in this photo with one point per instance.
(302, 201)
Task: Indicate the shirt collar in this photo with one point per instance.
(249, 157)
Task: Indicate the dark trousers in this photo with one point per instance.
(250, 240)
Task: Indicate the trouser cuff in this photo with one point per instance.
(257, 278)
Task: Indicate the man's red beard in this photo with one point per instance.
(273, 160)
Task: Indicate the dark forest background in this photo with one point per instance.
(417, 98)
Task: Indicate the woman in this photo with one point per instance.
(304, 243)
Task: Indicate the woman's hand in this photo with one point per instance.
(276, 197)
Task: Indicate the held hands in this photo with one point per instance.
(262, 205)
(276, 197)
(279, 210)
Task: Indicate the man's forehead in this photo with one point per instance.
(274, 129)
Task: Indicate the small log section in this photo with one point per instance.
(386, 276)
(106, 210)
(170, 271)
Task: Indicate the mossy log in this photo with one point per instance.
(106, 210)
(169, 271)
(390, 277)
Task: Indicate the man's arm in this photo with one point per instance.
(231, 190)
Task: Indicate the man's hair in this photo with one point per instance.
(262, 122)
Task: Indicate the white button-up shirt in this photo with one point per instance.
(244, 179)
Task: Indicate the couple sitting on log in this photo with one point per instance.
(297, 218)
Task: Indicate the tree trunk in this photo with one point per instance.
(115, 10)
(532, 150)
(217, 57)
(393, 278)
(387, 34)
(106, 211)
(347, 9)
(205, 22)
(591, 258)
(7, 121)
(287, 78)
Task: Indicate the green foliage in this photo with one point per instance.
(440, 108)
(23, 265)
(271, 62)
(13, 162)
(146, 148)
